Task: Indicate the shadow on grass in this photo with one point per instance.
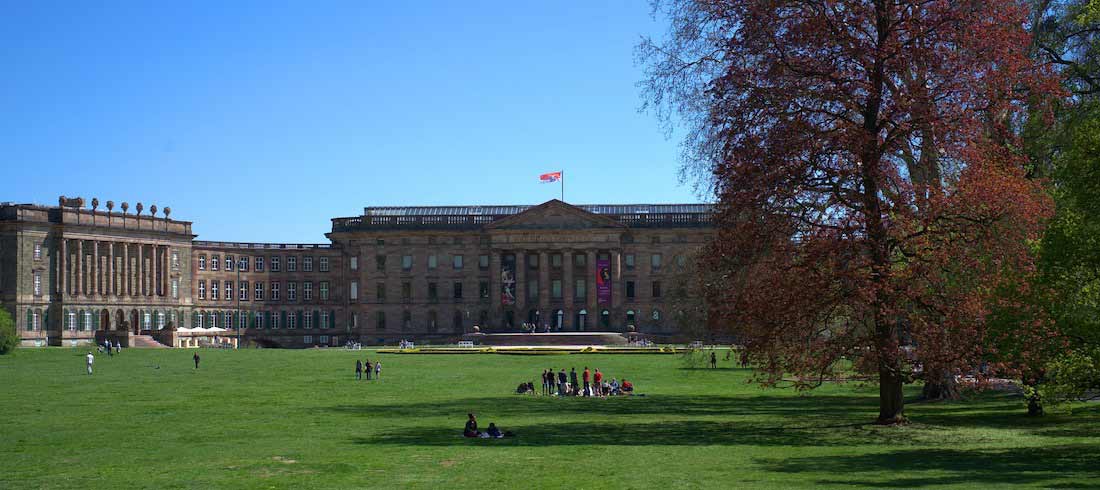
(903, 468)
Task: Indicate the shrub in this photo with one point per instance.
(9, 338)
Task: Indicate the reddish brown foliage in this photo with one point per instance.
(871, 197)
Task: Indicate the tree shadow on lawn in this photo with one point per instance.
(999, 467)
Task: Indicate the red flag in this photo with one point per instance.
(550, 177)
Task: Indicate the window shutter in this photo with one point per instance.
(283, 322)
(194, 319)
(332, 319)
(299, 322)
(317, 318)
(30, 320)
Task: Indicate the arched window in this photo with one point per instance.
(605, 319)
(656, 318)
(630, 318)
(160, 320)
(229, 319)
(213, 320)
(70, 320)
(86, 324)
(147, 321)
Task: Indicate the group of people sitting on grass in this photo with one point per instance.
(566, 384)
(493, 432)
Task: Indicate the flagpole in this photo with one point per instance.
(563, 186)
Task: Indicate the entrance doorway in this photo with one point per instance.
(582, 318)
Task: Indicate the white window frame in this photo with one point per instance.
(307, 319)
(38, 251)
(458, 262)
(87, 325)
(175, 288)
(433, 261)
(324, 319)
(228, 319)
(353, 263)
(202, 262)
(259, 293)
(214, 290)
(242, 291)
(308, 339)
(37, 283)
(147, 320)
(259, 265)
(275, 291)
(292, 263)
(259, 317)
(276, 263)
(229, 263)
(291, 291)
(354, 291)
(227, 293)
(307, 291)
(202, 289)
(307, 263)
(214, 259)
(324, 290)
(72, 321)
(36, 321)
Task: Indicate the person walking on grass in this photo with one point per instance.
(89, 360)
(562, 379)
(377, 369)
(586, 376)
(369, 368)
(573, 381)
(196, 358)
(358, 370)
(713, 360)
(545, 385)
(598, 380)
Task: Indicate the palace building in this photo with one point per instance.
(70, 274)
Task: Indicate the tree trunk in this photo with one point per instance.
(1034, 405)
(941, 388)
(891, 400)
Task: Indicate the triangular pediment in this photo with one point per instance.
(554, 215)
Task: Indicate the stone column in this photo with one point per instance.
(93, 287)
(590, 285)
(521, 287)
(495, 285)
(154, 277)
(544, 289)
(125, 289)
(567, 290)
(63, 276)
(79, 267)
(111, 287)
(616, 286)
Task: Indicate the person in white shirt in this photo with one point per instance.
(91, 359)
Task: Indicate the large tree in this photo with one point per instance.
(871, 187)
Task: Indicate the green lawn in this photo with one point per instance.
(298, 419)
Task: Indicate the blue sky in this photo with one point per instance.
(259, 121)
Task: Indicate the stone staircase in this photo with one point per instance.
(146, 342)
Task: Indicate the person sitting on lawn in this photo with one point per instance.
(628, 387)
(525, 388)
(494, 432)
(471, 426)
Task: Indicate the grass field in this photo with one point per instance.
(298, 419)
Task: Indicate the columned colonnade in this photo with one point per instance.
(98, 268)
(569, 274)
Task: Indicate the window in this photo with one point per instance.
(324, 320)
(36, 322)
(483, 262)
(629, 289)
(555, 289)
(275, 319)
(533, 289)
(406, 320)
(308, 339)
(38, 251)
(228, 262)
(555, 261)
(175, 260)
(213, 319)
(324, 290)
(307, 320)
(628, 261)
(243, 294)
(275, 263)
(380, 263)
(432, 263)
(214, 290)
(258, 319)
(291, 289)
(353, 263)
(202, 262)
(456, 262)
(353, 292)
(274, 291)
(406, 262)
(380, 292)
(258, 294)
(214, 262)
(655, 261)
(175, 288)
(324, 264)
(307, 291)
(37, 283)
(483, 289)
(292, 318)
(242, 264)
(579, 260)
(147, 322)
(380, 242)
(307, 264)
(380, 321)
(457, 288)
(656, 289)
(160, 320)
(291, 263)
(579, 289)
(681, 261)
(433, 292)
(202, 289)
(406, 291)
(259, 267)
(71, 321)
(228, 290)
